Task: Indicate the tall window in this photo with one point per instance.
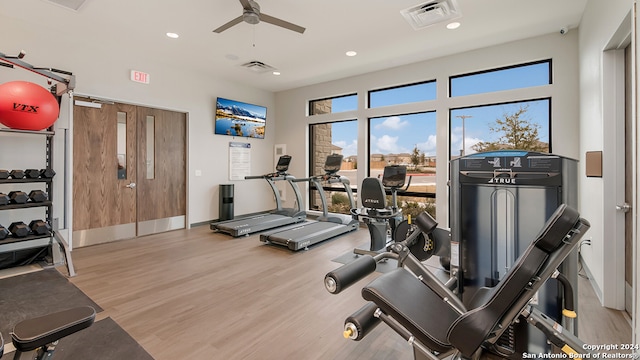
(334, 138)
(333, 104)
(410, 140)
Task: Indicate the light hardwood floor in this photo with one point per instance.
(195, 294)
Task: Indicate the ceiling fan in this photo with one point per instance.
(251, 15)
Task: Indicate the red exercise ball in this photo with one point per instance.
(27, 106)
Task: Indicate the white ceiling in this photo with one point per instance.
(373, 28)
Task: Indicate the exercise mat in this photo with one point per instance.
(35, 294)
(104, 340)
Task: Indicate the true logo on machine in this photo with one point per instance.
(508, 181)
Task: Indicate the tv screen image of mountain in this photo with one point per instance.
(236, 118)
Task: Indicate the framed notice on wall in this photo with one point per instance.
(239, 160)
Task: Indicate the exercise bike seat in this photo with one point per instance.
(442, 327)
(37, 332)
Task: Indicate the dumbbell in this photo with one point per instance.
(4, 199)
(18, 197)
(3, 232)
(47, 173)
(32, 173)
(38, 196)
(17, 174)
(4, 174)
(39, 227)
(19, 229)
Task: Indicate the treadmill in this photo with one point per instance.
(278, 217)
(326, 226)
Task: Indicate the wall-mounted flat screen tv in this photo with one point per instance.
(236, 118)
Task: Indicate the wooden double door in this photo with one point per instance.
(129, 171)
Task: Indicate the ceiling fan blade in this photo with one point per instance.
(246, 5)
(279, 22)
(224, 27)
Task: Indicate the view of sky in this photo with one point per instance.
(400, 134)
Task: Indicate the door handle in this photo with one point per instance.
(624, 207)
(131, 185)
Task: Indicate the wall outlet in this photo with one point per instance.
(198, 172)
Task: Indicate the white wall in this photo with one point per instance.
(103, 72)
(292, 126)
(604, 259)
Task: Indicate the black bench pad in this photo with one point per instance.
(34, 333)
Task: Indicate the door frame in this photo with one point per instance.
(70, 160)
(613, 112)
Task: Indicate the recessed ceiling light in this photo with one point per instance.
(351, 53)
(276, 73)
(173, 35)
(453, 25)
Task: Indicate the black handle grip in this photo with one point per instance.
(348, 274)
(360, 323)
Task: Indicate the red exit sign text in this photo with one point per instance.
(139, 76)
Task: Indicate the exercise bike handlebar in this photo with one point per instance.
(377, 215)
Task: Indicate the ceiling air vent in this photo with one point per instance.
(69, 4)
(258, 67)
(431, 12)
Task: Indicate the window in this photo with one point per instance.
(402, 94)
(409, 140)
(508, 78)
(520, 125)
(333, 104)
(333, 138)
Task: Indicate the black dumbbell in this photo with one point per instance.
(39, 227)
(38, 196)
(3, 232)
(19, 229)
(32, 173)
(4, 174)
(17, 174)
(4, 199)
(18, 197)
(47, 173)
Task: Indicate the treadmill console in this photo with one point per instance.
(283, 163)
(333, 164)
(394, 176)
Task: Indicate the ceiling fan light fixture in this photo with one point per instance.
(251, 17)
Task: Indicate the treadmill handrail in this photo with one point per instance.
(331, 179)
(277, 176)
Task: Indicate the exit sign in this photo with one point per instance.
(139, 76)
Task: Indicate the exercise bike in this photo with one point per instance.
(36, 338)
(381, 219)
(425, 311)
